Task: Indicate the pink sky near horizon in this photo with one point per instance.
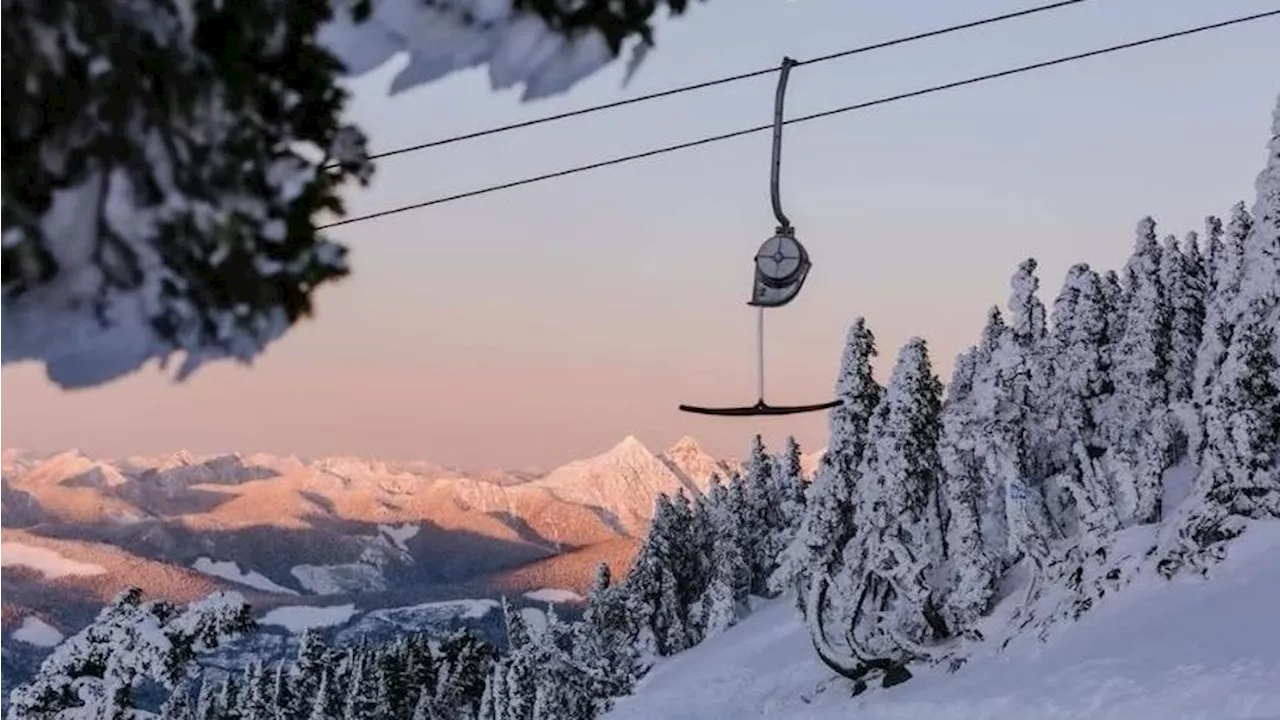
(530, 327)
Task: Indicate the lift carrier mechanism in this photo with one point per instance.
(781, 266)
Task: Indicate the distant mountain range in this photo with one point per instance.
(335, 531)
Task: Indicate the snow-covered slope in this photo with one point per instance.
(1182, 650)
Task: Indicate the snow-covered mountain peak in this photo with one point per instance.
(624, 481)
(63, 465)
(630, 445)
(685, 446)
(687, 458)
(181, 458)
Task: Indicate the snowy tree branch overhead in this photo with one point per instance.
(549, 45)
(161, 158)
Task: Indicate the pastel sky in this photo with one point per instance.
(532, 326)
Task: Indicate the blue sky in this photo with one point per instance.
(546, 322)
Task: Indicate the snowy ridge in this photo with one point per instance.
(621, 482)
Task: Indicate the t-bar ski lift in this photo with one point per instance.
(781, 266)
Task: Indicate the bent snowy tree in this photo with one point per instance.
(163, 161)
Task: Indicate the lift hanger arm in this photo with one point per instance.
(784, 224)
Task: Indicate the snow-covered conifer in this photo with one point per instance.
(256, 701)
(1182, 273)
(763, 514)
(206, 707)
(1213, 252)
(603, 578)
(1224, 284)
(827, 524)
(282, 694)
(1240, 474)
(1118, 304)
(1079, 397)
(422, 664)
(899, 539)
(1008, 394)
(178, 705)
(517, 631)
(323, 701)
(310, 662)
(965, 445)
(96, 672)
(1026, 312)
(1240, 470)
(493, 705)
(722, 603)
(973, 568)
(395, 697)
(362, 691)
(789, 475)
(1140, 432)
(1028, 331)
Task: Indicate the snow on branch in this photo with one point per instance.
(163, 161)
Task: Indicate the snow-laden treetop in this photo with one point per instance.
(165, 164)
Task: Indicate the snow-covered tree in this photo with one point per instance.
(327, 701)
(1184, 276)
(255, 704)
(175, 209)
(1007, 397)
(723, 602)
(1213, 254)
(1240, 467)
(973, 567)
(655, 593)
(421, 664)
(1240, 474)
(603, 579)
(394, 684)
(311, 661)
(282, 694)
(764, 515)
(206, 701)
(230, 698)
(464, 664)
(96, 672)
(827, 524)
(1026, 312)
(1028, 333)
(1227, 251)
(178, 706)
(897, 556)
(1079, 395)
(362, 690)
(789, 479)
(608, 629)
(1140, 430)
